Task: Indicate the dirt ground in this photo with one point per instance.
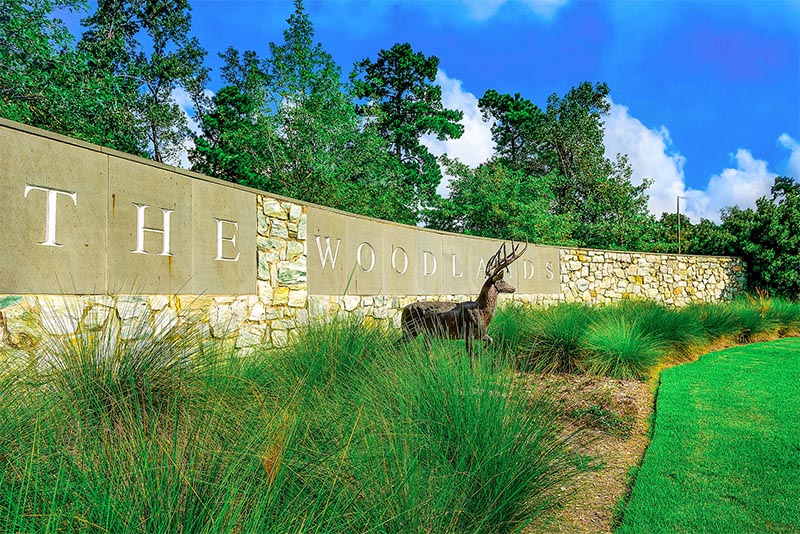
(613, 418)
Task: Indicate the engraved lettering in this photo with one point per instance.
(481, 269)
(141, 229)
(328, 254)
(428, 268)
(394, 260)
(50, 211)
(548, 267)
(527, 269)
(455, 273)
(221, 239)
(372, 257)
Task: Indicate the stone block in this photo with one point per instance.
(297, 298)
(292, 273)
(279, 229)
(280, 338)
(280, 296)
(272, 208)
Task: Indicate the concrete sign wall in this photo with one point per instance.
(78, 219)
(93, 238)
(358, 256)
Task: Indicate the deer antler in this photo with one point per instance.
(501, 260)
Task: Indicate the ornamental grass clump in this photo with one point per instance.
(618, 347)
(339, 433)
(667, 326)
(554, 338)
(756, 318)
(717, 321)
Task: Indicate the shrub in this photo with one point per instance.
(619, 348)
(554, 338)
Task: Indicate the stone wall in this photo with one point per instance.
(601, 276)
(197, 254)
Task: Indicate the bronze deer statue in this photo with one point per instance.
(462, 320)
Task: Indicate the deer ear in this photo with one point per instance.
(498, 276)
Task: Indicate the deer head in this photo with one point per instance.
(499, 263)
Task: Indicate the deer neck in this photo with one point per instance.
(487, 300)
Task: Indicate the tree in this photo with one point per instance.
(517, 122)
(563, 146)
(495, 200)
(171, 60)
(768, 239)
(46, 82)
(403, 105)
(285, 124)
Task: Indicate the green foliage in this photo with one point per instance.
(286, 124)
(669, 326)
(724, 454)
(516, 123)
(553, 337)
(46, 82)
(339, 433)
(403, 105)
(620, 348)
(768, 238)
(633, 339)
(717, 322)
(549, 180)
(170, 60)
(494, 200)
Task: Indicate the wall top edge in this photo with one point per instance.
(641, 253)
(32, 130)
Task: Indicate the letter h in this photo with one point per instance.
(141, 229)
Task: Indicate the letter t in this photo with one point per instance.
(50, 212)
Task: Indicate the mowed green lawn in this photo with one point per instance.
(725, 454)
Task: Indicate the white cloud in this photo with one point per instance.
(740, 186)
(793, 169)
(484, 9)
(651, 155)
(475, 145)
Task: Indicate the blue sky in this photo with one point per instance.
(706, 94)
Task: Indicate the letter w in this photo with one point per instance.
(328, 254)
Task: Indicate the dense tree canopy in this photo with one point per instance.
(403, 105)
(286, 124)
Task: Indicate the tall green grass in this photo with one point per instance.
(634, 339)
(339, 433)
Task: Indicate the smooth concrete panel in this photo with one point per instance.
(366, 257)
(481, 251)
(224, 232)
(430, 262)
(403, 265)
(375, 257)
(546, 279)
(327, 252)
(457, 267)
(147, 266)
(52, 215)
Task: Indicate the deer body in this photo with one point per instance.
(461, 320)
